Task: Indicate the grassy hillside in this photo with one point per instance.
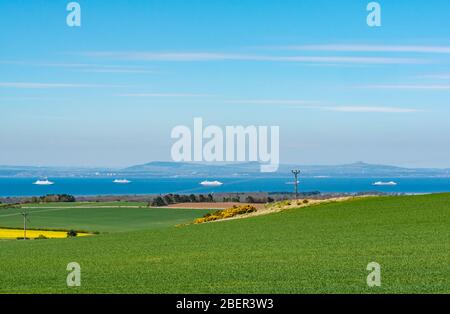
(323, 248)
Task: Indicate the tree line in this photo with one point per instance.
(53, 198)
(169, 199)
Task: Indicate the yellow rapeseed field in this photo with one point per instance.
(32, 234)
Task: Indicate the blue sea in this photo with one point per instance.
(94, 186)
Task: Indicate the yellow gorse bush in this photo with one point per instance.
(226, 213)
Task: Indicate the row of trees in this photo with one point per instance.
(53, 198)
(169, 199)
(253, 200)
(176, 198)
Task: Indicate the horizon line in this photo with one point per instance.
(222, 164)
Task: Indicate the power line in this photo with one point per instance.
(296, 173)
(25, 220)
(25, 215)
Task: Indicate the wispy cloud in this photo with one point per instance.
(207, 56)
(409, 86)
(370, 109)
(116, 70)
(84, 67)
(34, 85)
(368, 48)
(441, 76)
(272, 102)
(29, 85)
(317, 105)
(162, 95)
(98, 68)
(32, 98)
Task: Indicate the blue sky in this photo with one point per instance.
(109, 93)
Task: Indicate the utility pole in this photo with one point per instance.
(296, 173)
(24, 214)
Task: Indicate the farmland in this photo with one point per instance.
(317, 249)
(97, 217)
(7, 233)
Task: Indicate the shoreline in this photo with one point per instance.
(259, 197)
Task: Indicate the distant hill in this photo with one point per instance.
(214, 170)
(358, 169)
(194, 169)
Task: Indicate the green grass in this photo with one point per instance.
(98, 218)
(318, 249)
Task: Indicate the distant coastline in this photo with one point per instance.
(215, 170)
(258, 197)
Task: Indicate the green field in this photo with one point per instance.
(317, 249)
(98, 217)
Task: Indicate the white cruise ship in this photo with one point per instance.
(121, 181)
(44, 182)
(211, 183)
